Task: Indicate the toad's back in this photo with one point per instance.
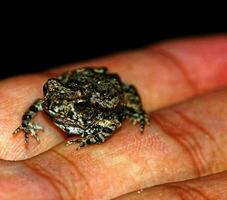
(100, 87)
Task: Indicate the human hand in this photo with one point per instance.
(184, 142)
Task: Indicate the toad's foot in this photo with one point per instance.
(141, 118)
(80, 142)
(29, 129)
(90, 139)
(27, 125)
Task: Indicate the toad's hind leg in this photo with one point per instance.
(27, 125)
(133, 106)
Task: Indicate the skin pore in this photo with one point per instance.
(182, 86)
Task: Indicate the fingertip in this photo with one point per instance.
(202, 60)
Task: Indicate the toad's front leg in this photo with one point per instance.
(97, 133)
(27, 125)
(90, 139)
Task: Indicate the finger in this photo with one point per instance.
(183, 142)
(210, 187)
(162, 76)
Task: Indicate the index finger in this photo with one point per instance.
(164, 74)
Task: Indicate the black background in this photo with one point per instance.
(31, 50)
(36, 36)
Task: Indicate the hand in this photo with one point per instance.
(182, 153)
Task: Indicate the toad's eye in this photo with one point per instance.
(70, 113)
(82, 104)
(45, 89)
(107, 130)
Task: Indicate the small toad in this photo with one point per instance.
(89, 102)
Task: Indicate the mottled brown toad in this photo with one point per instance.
(89, 102)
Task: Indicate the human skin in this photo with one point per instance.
(181, 155)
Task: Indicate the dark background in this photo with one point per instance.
(37, 50)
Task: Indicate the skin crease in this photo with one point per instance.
(204, 188)
(184, 141)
